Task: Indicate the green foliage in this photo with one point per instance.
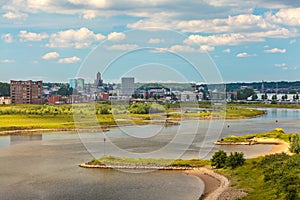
(4, 89)
(277, 133)
(221, 160)
(235, 160)
(243, 94)
(218, 160)
(275, 176)
(295, 144)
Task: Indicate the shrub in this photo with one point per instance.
(219, 159)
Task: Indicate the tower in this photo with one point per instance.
(262, 87)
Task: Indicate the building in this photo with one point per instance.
(127, 86)
(73, 83)
(5, 100)
(80, 84)
(26, 92)
(98, 81)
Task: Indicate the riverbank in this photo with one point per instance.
(215, 184)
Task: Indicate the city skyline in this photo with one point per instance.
(246, 41)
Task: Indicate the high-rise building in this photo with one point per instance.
(127, 86)
(80, 84)
(26, 92)
(73, 83)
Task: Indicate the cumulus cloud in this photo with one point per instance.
(7, 38)
(7, 61)
(205, 48)
(181, 48)
(115, 36)
(275, 50)
(122, 47)
(155, 41)
(50, 56)
(30, 36)
(223, 39)
(70, 60)
(89, 14)
(244, 54)
(15, 15)
(81, 38)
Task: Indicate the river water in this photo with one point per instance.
(45, 166)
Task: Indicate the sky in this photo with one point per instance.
(158, 40)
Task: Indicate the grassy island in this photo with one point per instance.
(117, 161)
(275, 136)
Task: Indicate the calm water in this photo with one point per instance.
(45, 166)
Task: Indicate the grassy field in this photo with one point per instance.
(22, 117)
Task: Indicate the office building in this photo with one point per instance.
(26, 92)
(127, 86)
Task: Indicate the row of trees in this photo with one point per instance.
(220, 159)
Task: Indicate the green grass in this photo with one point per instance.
(29, 116)
(251, 177)
(151, 161)
(277, 133)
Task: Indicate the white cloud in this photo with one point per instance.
(224, 39)
(115, 36)
(288, 16)
(226, 50)
(244, 54)
(293, 41)
(155, 41)
(275, 50)
(70, 60)
(205, 48)
(15, 15)
(8, 38)
(280, 65)
(30, 36)
(122, 47)
(81, 38)
(50, 56)
(89, 14)
(181, 48)
(7, 61)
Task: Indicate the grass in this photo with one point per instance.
(251, 177)
(151, 161)
(29, 116)
(277, 133)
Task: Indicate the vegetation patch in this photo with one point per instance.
(274, 176)
(113, 160)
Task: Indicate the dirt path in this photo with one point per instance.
(215, 184)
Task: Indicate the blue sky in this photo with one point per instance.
(158, 40)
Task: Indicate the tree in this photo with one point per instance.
(254, 97)
(235, 160)
(219, 159)
(245, 93)
(295, 144)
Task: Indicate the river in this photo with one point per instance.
(45, 166)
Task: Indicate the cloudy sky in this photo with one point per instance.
(244, 41)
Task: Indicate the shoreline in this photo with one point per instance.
(214, 184)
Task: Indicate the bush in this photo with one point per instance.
(295, 144)
(219, 159)
(235, 160)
